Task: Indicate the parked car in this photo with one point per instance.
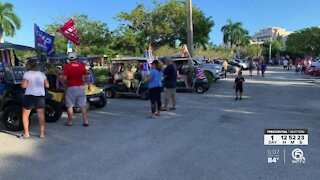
(243, 63)
(314, 70)
(234, 63)
(216, 70)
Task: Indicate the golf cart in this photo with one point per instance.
(195, 77)
(11, 92)
(95, 98)
(116, 85)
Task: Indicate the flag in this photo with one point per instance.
(43, 41)
(200, 73)
(185, 51)
(148, 54)
(69, 31)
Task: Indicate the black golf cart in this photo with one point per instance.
(195, 81)
(115, 86)
(11, 92)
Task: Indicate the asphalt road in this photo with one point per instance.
(210, 136)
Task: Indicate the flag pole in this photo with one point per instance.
(189, 55)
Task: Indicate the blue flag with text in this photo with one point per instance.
(43, 41)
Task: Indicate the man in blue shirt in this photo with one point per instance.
(170, 84)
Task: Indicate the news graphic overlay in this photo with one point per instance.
(290, 137)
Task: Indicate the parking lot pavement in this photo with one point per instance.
(209, 136)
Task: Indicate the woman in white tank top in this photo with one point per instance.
(35, 82)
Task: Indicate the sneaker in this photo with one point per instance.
(236, 99)
(240, 98)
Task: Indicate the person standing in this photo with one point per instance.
(289, 64)
(297, 64)
(225, 67)
(154, 79)
(250, 67)
(304, 66)
(263, 68)
(35, 82)
(258, 66)
(170, 83)
(285, 64)
(238, 86)
(76, 95)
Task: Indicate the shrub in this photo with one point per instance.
(101, 76)
(209, 77)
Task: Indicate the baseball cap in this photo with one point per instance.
(155, 62)
(72, 56)
(167, 58)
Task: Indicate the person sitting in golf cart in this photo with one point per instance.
(128, 77)
(182, 75)
(118, 76)
(138, 75)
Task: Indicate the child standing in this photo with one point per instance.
(238, 86)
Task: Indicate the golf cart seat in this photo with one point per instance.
(52, 79)
(180, 80)
(118, 82)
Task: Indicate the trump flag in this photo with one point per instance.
(68, 30)
(43, 41)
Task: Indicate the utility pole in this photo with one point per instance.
(270, 45)
(189, 26)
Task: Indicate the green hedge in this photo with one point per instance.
(209, 77)
(101, 75)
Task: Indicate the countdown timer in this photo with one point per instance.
(286, 137)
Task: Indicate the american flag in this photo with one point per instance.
(185, 51)
(200, 74)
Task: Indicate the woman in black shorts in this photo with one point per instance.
(35, 82)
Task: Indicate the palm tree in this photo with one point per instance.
(234, 34)
(9, 21)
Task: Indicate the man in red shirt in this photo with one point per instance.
(73, 74)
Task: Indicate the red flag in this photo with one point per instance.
(184, 52)
(68, 30)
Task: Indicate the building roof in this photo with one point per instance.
(9, 46)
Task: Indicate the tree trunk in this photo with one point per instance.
(1, 37)
(102, 61)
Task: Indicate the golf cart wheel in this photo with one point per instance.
(200, 89)
(78, 109)
(12, 118)
(53, 111)
(109, 93)
(102, 103)
(144, 95)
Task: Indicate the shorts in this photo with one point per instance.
(76, 96)
(169, 92)
(239, 89)
(34, 102)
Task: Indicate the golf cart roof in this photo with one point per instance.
(9, 46)
(65, 56)
(176, 58)
(128, 59)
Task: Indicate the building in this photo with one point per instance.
(271, 33)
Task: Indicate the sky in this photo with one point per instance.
(254, 14)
